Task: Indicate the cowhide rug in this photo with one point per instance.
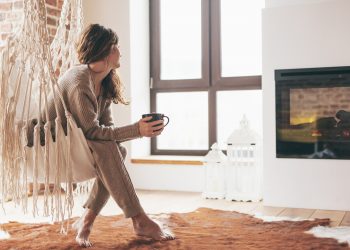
(202, 229)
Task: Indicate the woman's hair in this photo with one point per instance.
(95, 43)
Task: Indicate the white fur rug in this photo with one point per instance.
(341, 233)
(4, 235)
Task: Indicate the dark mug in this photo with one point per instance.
(156, 117)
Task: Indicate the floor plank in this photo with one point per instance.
(335, 216)
(155, 202)
(243, 207)
(346, 220)
(297, 213)
(267, 210)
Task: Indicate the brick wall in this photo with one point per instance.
(53, 8)
(11, 14)
(306, 105)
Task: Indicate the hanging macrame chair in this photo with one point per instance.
(29, 68)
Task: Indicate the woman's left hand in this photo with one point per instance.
(150, 129)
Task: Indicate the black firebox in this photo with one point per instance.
(313, 113)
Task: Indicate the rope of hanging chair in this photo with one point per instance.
(29, 53)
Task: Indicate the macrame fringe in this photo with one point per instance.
(29, 62)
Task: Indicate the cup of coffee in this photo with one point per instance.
(156, 117)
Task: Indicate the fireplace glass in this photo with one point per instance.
(313, 113)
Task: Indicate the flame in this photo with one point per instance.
(300, 120)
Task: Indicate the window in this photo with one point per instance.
(189, 116)
(205, 69)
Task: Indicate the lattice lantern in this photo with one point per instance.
(214, 162)
(244, 168)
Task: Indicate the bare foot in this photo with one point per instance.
(83, 227)
(144, 226)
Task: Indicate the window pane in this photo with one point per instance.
(232, 105)
(181, 38)
(241, 37)
(188, 126)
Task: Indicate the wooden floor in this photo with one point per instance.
(166, 201)
(155, 202)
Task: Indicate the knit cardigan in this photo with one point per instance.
(92, 114)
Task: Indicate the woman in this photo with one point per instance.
(88, 90)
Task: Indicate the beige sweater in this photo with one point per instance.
(92, 115)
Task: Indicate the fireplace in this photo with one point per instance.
(313, 113)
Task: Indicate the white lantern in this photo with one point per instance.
(214, 163)
(244, 168)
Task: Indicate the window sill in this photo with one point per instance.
(169, 160)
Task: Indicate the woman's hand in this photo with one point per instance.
(150, 129)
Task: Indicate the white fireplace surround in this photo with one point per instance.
(314, 34)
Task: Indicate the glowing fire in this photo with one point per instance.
(301, 120)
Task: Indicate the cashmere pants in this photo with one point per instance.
(112, 179)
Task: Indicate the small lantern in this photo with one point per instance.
(244, 168)
(214, 163)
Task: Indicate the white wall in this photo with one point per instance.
(300, 36)
(130, 19)
(277, 3)
(114, 14)
(168, 177)
(139, 69)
